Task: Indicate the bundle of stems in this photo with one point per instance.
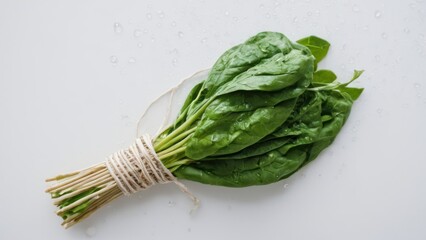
(79, 194)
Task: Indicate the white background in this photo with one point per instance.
(72, 89)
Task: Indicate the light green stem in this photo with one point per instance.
(170, 139)
(177, 151)
(174, 147)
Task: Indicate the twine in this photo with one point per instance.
(138, 167)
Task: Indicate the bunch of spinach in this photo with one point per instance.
(263, 112)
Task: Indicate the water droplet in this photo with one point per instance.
(377, 58)
(180, 34)
(285, 186)
(261, 6)
(173, 24)
(174, 51)
(377, 14)
(172, 203)
(91, 231)
(137, 33)
(355, 8)
(295, 20)
(309, 14)
(140, 45)
(226, 13)
(379, 110)
(417, 85)
(113, 59)
(149, 16)
(152, 39)
(174, 61)
(235, 19)
(204, 40)
(214, 138)
(406, 30)
(132, 60)
(160, 14)
(384, 36)
(118, 28)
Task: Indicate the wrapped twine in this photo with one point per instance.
(138, 167)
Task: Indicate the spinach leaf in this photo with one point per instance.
(324, 76)
(318, 46)
(223, 131)
(284, 157)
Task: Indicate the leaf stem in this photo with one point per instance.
(174, 147)
(170, 139)
(177, 151)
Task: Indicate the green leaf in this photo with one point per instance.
(219, 134)
(354, 93)
(318, 46)
(319, 118)
(324, 76)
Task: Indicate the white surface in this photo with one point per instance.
(64, 105)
